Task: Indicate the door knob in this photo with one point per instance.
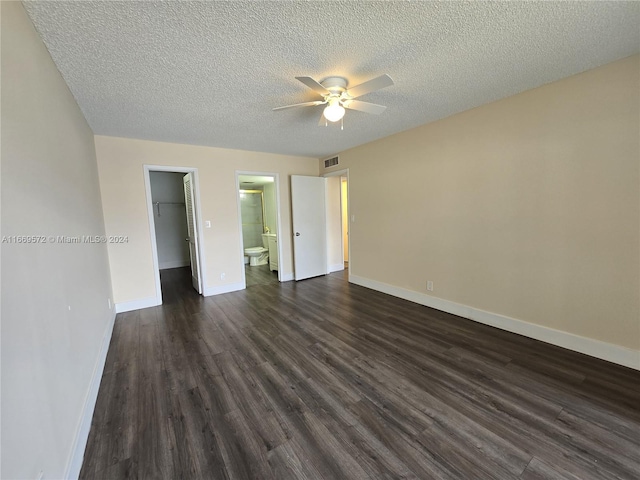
(297, 234)
(186, 239)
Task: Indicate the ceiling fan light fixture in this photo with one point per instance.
(334, 111)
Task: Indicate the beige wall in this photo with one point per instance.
(527, 207)
(54, 297)
(120, 162)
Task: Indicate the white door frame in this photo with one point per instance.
(152, 223)
(276, 177)
(344, 173)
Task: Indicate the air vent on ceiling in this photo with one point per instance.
(331, 162)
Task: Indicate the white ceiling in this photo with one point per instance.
(209, 73)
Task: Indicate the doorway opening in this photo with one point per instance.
(337, 203)
(258, 206)
(174, 217)
(344, 193)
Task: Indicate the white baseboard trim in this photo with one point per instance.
(74, 464)
(230, 287)
(286, 277)
(174, 264)
(595, 348)
(338, 267)
(138, 304)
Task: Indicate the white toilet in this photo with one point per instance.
(258, 255)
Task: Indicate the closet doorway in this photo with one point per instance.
(172, 198)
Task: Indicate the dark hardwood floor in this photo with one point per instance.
(259, 275)
(322, 379)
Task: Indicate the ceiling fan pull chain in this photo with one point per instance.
(342, 123)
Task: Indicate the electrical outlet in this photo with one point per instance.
(430, 285)
(222, 275)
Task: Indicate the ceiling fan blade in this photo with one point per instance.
(313, 85)
(305, 104)
(364, 106)
(370, 86)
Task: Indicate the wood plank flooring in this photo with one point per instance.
(324, 380)
(259, 275)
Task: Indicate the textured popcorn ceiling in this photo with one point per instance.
(209, 73)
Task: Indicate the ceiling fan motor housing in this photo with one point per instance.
(336, 85)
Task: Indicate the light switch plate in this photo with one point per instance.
(207, 224)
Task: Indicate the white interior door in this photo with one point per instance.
(192, 232)
(309, 226)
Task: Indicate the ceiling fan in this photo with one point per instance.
(337, 96)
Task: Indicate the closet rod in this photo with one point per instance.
(157, 204)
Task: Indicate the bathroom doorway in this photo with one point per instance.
(258, 207)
